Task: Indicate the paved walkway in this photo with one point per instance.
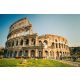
(75, 64)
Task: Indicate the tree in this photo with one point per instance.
(1, 52)
(75, 53)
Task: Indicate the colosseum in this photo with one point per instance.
(23, 42)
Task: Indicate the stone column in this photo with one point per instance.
(29, 41)
(12, 55)
(23, 42)
(19, 42)
(36, 40)
(36, 53)
(29, 51)
(43, 53)
(17, 54)
(55, 55)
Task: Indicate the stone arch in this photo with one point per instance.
(40, 43)
(27, 41)
(56, 40)
(53, 45)
(63, 54)
(12, 43)
(11, 55)
(15, 54)
(52, 54)
(20, 54)
(16, 42)
(45, 42)
(32, 41)
(32, 53)
(26, 53)
(40, 54)
(21, 42)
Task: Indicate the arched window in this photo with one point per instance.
(16, 42)
(27, 42)
(62, 46)
(53, 45)
(40, 43)
(55, 40)
(40, 54)
(32, 54)
(21, 43)
(9, 44)
(20, 54)
(45, 42)
(26, 53)
(13, 43)
(33, 42)
(15, 54)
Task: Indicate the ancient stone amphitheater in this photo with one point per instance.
(22, 42)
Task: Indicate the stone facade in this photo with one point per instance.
(22, 42)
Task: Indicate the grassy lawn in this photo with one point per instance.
(31, 63)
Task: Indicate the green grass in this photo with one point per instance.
(31, 63)
(9, 62)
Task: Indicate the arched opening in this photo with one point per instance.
(21, 42)
(32, 54)
(8, 54)
(27, 42)
(15, 54)
(55, 40)
(53, 45)
(26, 53)
(45, 42)
(11, 54)
(33, 42)
(62, 45)
(20, 54)
(40, 54)
(13, 43)
(16, 42)
(40, 43)
(63, 54)
(51, 54)
(9, 44)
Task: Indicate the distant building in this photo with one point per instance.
(22, 42)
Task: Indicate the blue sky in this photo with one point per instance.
(66, 25)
